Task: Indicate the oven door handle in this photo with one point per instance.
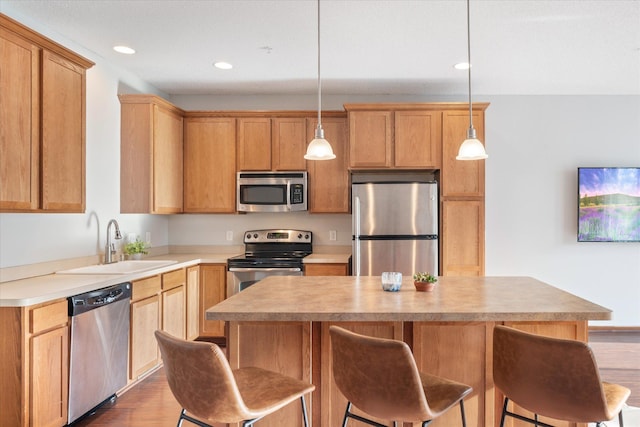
(242, 270)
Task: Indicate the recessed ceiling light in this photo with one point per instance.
(124, 49)
(461, 66)
(223, 65)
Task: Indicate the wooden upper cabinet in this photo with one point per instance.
(209, 165)
(288, 144)
(382, 139)
(329, 179)
(370, 139)
(460, 178)
(19, 121)
(417, 139)
(266, 144)
(151, 155)
(254, 144)
(63, 144)
(42, 117)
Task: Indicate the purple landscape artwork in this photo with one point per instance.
(609, 204)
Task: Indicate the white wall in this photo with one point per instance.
(535, 145)
(33, 238)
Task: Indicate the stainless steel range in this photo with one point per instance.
(268, 253)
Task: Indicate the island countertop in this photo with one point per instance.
(347, 298)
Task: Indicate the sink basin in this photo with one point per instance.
(122, 267)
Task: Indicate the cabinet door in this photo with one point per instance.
(329, 179)
(370, 139)
(254, 144)
(173, 312)
(462, 238)
(289, 144)
(19, 121)
(49, 378)
(210, 165)
(63, 144)
(213, 283)
(145, 320)
(167, 161)
(326, 270)
(417, 139)
(460, 178)
(193, 298)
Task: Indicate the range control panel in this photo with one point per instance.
(278, 236)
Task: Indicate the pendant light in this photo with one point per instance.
(319, 148)
(471, 148)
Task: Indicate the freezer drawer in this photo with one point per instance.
(372, 257)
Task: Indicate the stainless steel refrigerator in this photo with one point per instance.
(395, 227)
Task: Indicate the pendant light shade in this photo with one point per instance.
(471, 148)
(319, 148)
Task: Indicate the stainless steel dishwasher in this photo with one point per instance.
(99, 347)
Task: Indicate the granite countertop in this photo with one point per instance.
(349, 298)
(39, 289)
(43, 288)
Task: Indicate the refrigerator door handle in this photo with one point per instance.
(356, 235)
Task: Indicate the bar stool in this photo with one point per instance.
(380, 377)
(553, 377)
(202, 381)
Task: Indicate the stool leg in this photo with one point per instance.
(346, 415)
(620, 420)
(504, 411)
(464, 419)
(304, 412)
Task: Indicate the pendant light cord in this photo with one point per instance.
(469, 63)
(319, 84)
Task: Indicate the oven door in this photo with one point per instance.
(239, 279)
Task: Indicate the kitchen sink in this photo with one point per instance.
(122, 267)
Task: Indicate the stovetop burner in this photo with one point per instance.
(273, 249)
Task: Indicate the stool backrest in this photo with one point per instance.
(379, 376)
(201, 379)
(553, 377)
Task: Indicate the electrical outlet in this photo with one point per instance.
(333, 235)
(229, 235)
(148, 237)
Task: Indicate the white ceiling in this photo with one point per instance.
(368, 46)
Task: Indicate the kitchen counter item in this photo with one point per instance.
(99, 345)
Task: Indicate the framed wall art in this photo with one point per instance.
(609, 204)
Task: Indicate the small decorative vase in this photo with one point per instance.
(135, 256)
(424, 286)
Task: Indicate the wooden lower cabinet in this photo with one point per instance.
(326, 269)
(462, 238)
(34, 373)
(173, 312)
(145, 320)
(192, 315)
(50, 378)
(213, 289)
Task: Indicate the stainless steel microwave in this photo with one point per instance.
(272, 191)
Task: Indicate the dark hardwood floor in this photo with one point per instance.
(151, 404)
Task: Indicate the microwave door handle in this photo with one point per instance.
(288, 194)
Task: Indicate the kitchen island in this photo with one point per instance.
(282, 323)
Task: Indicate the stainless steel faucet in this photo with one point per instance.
(110, 249)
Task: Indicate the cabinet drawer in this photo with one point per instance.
(173, 279)
(145, 288)
(48, 316)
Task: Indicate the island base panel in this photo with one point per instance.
(283, 347)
